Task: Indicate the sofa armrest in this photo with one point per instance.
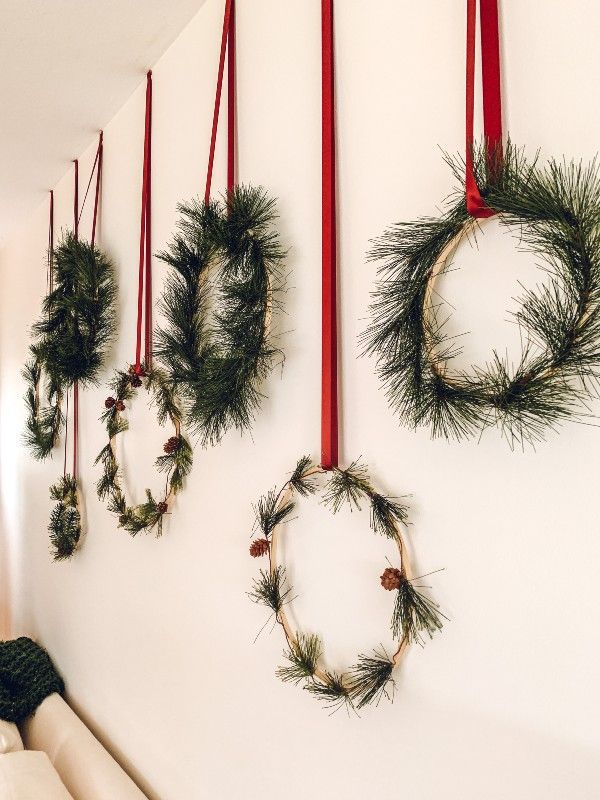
(85, 767)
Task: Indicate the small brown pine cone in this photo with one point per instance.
(110, 402)
(172, 446)
(391, 579)
(135, 381)
(259, 547)
(162, 508)
(120, 405)
(123, 519)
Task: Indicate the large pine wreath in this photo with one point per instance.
(226, 254)
(554, 208)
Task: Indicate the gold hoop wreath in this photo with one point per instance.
(414, 616)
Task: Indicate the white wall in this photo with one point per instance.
(155, 638)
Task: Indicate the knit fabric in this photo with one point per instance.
(27, 676)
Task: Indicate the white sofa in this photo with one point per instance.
(56, 757)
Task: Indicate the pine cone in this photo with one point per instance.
(135, 381)
(172, 446)
(259, 547)
(141, 370)
(162, 507)
(122, 519)
(391, 579)
(110, 402)
(120, 405)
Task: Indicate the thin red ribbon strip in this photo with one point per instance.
(329, 384)
(144, 305)
(227, 47)
(76, 384)
(51, 245)
(76, 201)
(492, 99)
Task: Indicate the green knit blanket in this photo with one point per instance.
(27, 676)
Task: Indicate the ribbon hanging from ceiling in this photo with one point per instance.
(227, 48)
(77, 212)
(329, 365)
(144, 304)
(492, 99)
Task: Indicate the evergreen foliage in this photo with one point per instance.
(371, 678)
(176, 462)
(555, 210)
(43, 423)
(225, 255)
(78, 316)
(65, 521)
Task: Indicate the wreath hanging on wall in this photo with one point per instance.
(554, 210)
(414, 614)
(176, 459)
(219, 367)
(71, 341)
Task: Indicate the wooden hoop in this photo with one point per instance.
(282, 618)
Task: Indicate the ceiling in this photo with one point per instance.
(66, 67)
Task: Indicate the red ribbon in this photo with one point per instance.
(144, 305)
(492, 99)
(51, 245)
(76, 201)
(329, 382)
(77, 212)
(227, 46)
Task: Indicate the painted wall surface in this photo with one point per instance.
(156, 638)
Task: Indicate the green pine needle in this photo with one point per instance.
(415, 614)
(270, 590)
(386, 514)
(347, 486)
(333, 692)
(371, 679)
(303, 656)
(299, 481)
(269, 513)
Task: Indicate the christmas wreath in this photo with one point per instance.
(71, 337)
(414, 614)
(555, 211)
(78, 316)
(65, 519)
(175, 461)
(218, 367)
(71, 341)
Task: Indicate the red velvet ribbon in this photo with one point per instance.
(51, 245)
(76, 384)
(76, 201)
(144, 304)
(227, 47)
(492, 99)
(329, 377)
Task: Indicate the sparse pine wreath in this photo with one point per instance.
(414, 615)
(175, 461)
(226, 254)
(555, 210)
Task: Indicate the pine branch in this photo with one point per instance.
(270, 590)
(332, 692)
(303, 656)
(347, 486)
(371, 679)
(415, 614)
(303, 484)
